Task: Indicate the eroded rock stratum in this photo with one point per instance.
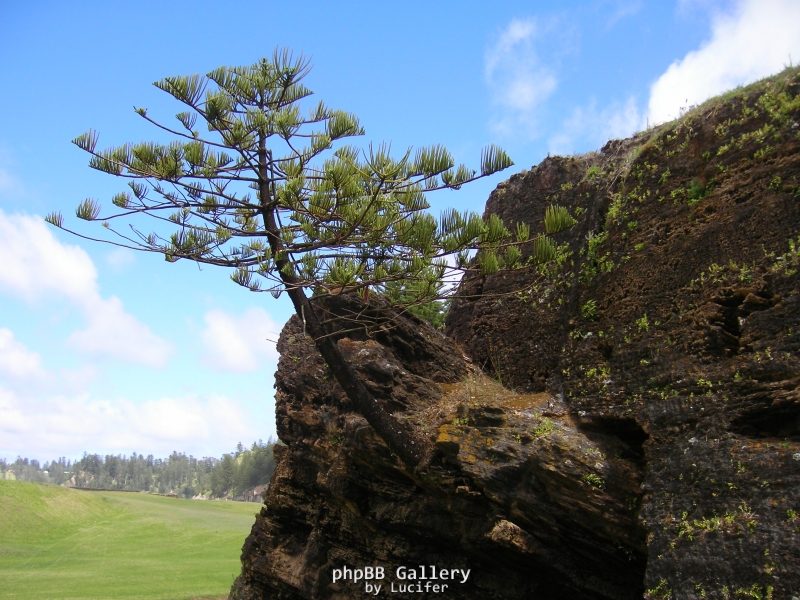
(623, 423)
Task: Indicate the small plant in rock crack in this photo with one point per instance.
(589, 310)
(697, 191)
(594, 480)
(595, 262)
(660, 592)
(593, 173)
(545, 427)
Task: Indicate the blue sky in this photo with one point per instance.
(108, 351)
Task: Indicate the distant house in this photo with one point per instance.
(254, 495)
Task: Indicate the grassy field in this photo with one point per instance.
(67, 544)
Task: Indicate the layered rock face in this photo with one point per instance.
(638, 433)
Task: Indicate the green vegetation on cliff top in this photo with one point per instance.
(69, 544)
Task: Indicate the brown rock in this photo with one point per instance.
(650, 447)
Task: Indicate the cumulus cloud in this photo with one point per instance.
(70, 425)
(113, 331)
(35, 265)
(518, 79)
(752, 41)
(239, 344)
(590, 127)
(50, 413)
(22, 370)
(16, 360)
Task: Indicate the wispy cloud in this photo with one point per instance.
(35, 265)
(752, 41)
(590, 127)
(622, 9)
(688, 7)
(239, 343)
(10, 185)
(518, 80)
(120, 258)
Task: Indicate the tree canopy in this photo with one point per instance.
(255, 194)
(187, 476)
(279, 197)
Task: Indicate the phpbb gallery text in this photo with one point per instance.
(422, 579)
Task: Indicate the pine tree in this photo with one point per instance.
(277, 197)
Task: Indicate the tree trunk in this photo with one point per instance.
(411, 449)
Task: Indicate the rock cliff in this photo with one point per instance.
(622, 422)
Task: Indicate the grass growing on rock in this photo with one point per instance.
(69, 544)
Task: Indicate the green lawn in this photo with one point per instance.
(65, 544)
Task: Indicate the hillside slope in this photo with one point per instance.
(646, 436)
(70, 544)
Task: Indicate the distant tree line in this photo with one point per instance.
(187, 476)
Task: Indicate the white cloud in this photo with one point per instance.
(35, 265)
(24, 372)
(12, 418)
(238, 344)
(589, 128)
(16, 360)
(50, 414)
(113, 331)
(70, 425)
(752, 41)
(518, 80)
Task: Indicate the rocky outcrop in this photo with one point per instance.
(508, 494)
(638, 432)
